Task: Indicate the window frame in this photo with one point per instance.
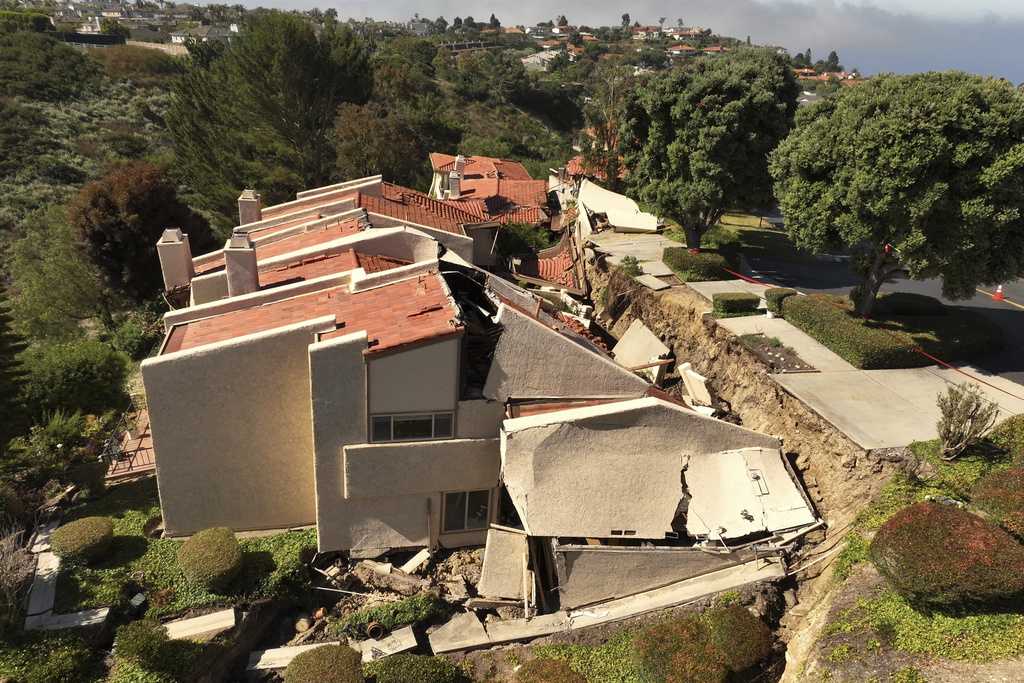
(391, 417)
(465, 514)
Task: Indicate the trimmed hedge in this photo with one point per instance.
(334, 663)
(211, 558)
(548, 671)
(1001, 494)
(774, 296)
(680, 650)
(83, 540)
(405, 668)
(820, 316)
(941, 556)
(699, 267)
(732, 303)
(909, 304)
(1009, 436)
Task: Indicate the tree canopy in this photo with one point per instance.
(119, 219)
(39, 67)
(922, 172)
(262, 112)
(696, 139)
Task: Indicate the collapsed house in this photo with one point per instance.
(345, 362)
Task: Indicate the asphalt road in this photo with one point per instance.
(837, 278)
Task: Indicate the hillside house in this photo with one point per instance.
(341, 367)
(646, 32)
(490, 189)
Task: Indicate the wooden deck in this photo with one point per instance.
(135, 456)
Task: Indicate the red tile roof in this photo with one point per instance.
(310, 238)
(404, 204)
(394, 315)
(312, 267)
(485, 167)
(496, 189)
(556, 265)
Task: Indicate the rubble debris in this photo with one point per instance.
(696, 385)
(639, 349)
(396, 581)
(455, 590)
(417, 562)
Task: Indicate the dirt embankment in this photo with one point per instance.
(839, 475)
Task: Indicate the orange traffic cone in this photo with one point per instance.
(998, 294)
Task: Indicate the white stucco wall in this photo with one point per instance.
(479, 419)
(533, 361)
(209, 287)
(231, 430)
(589, 471)
(422, 378)
(398, 469)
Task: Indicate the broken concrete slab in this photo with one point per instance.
(41, 543)
(652, 282)
(504, 558)
(696, 385)
(639, 347)
(462, 631)
(44, 584)
(656, 269)
(202, 628)
(59, 622)
(418, 561)
(280, 657)
(400, 640)
(455, 589)
(710, 288)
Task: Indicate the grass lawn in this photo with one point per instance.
(888, 617)
(273, 565)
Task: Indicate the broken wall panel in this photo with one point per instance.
(505, 559)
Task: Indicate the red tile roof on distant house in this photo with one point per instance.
(394, 315)
(496, 189)
(404, 204)
(484, 167)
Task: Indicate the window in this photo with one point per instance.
(411, 427)
(466, 511)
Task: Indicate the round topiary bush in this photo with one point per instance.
(942, 556)
(140, 642)
(680, 651)
(547, 671)
(1001, 494)
(83, 540)
(404, 668)
(743, 639)
(1009, 436)
(334, 663)
(211, 558)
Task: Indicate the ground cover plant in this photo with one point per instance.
(271, 566)
(390, 615)
(335, 663)
(403, 668)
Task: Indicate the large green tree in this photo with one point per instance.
(11, 376)
(696, 139)
(119, 218)
(39, 67)
(923, 173)
(261, 113)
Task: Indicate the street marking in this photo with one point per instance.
(1005, 301)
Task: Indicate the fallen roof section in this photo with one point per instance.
(623, 213)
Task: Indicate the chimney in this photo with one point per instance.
(454, 185)
(175, 259)
(460, 165)
(240, 265)
(250, 210)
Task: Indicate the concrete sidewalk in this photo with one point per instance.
(809, 350)
(712, 287)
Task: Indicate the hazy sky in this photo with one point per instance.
(982, 36)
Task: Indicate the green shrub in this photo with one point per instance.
(907, 303)
(774, 296)
(406, 668)
(211, 558)
(90, 476)
(125, 671)
(391, 615)
(24, 21)
(1001, 494)
(136, 334)
(941, 556)
(630, 266)
(733, 303)
(822, 317)
(743, 639)
(83, 540)
(46, 657)
(547, 671)
(85, 375)
(681, 651)
(334, 663)
(140, 642)
(700, 267)
(1009, 436)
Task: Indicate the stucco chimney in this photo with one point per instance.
(454, 185)
(250, 209)
(460, 165)
(175, 259)
(240, 265)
